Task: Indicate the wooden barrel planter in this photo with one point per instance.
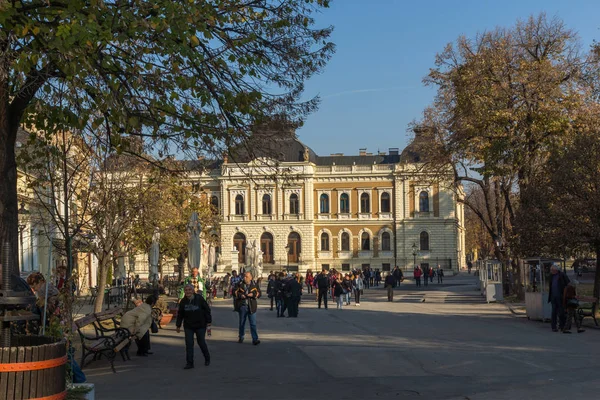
(34, 367)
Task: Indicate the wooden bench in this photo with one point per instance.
(113, 317)
(587, 308)
(104, 341)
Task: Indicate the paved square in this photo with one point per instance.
(452, 346)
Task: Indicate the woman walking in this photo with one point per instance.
(338, 292)
(309, 280)
(347, 286)
(358, 288)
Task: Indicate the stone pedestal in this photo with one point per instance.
(234, 260)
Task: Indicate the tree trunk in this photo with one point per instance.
(9, 221)
(104, 264)
(180, 266)
(597, 274)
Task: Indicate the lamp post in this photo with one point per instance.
(414, 252)
(22, 211)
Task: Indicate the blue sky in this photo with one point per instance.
(371, 89)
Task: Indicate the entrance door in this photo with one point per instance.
(266, 246)
(239, 242)
(293, 247)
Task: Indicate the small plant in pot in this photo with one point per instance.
(165, 316)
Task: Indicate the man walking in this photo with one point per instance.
(322, 281)
(295, 289)
(558, 283)
(440, 274)
(194, 312)
(389, 283)
(234, 282)
(246, 295)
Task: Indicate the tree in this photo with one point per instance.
(186, 76)
(168, 205)
(504, 100)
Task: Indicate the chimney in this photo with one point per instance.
(394, 151)
(362, 152)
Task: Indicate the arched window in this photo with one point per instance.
(239, 242)
(324, 242)
(365, 242)
(266, 246)
(365, 203)
(239, 205)
(294, 204)
(424, 201)
(385, 242)
(345, 241)
(385, 202)
(344, 203)
(266, 204)
(324, 204)
(424, 240)
(214, 202)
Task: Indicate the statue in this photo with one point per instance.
(306, 154)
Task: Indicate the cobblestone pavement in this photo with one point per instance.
(450, 346)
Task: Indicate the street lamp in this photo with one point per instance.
(414, 252)
(22, 211)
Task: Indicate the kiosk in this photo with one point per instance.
(537, 275)
(492, 284)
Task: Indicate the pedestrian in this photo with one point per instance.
(558, 283)
(295, 289)
(440, 274)
(570, 302)
(233, 285)
(271, 287)
(309, 280)
(388, 284)
(138, 321)
(347, 285)
(367, 274)
(196, 281)
(195, 314)
(225, 285)
(338, 292)
(246, 295)
(358, 288)
(322, 282)
(425, 274)
(417, 275)
(279, 295)
(431, 274)
(469, 266)
(377, 277)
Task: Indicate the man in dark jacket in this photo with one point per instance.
(322, 282)
(558, 283)
(246, 295)
(388, 284)
(194, 312)
(295, 289)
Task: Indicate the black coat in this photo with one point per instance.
(563, 281)
(194, 313)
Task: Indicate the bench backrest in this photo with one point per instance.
(85, 321)
(109, 314)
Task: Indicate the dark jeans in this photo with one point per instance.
(440, 279)
(143, 344)
(357, 296)
(245, 314)
(285, 307)
(293, 304)
(558, 312)
(279, 305)
(425, 280)
(272, 300)
(309, 289)
(323, 295)
(418, 281)
(189, 344)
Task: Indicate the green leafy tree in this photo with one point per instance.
(189, 76)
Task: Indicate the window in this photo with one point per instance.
(365, 266)
(345, 241)
(424, 201)
(294, 204)
(214, 202)
(325, 267)
(385, 241)
(294, 247)
(385, 202)
(324, 242)
(344, 203)
(365, 243)
(324, 204)
(345, 267)
(424, 240)
(385, 267)
(364, 203)
(239, 205)
(266, 204)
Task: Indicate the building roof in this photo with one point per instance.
(358, 160)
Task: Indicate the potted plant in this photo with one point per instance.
(161, 304)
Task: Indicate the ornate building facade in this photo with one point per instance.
(306, 211)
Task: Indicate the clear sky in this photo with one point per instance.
(371, 89)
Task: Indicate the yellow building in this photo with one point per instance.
(310, 212)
